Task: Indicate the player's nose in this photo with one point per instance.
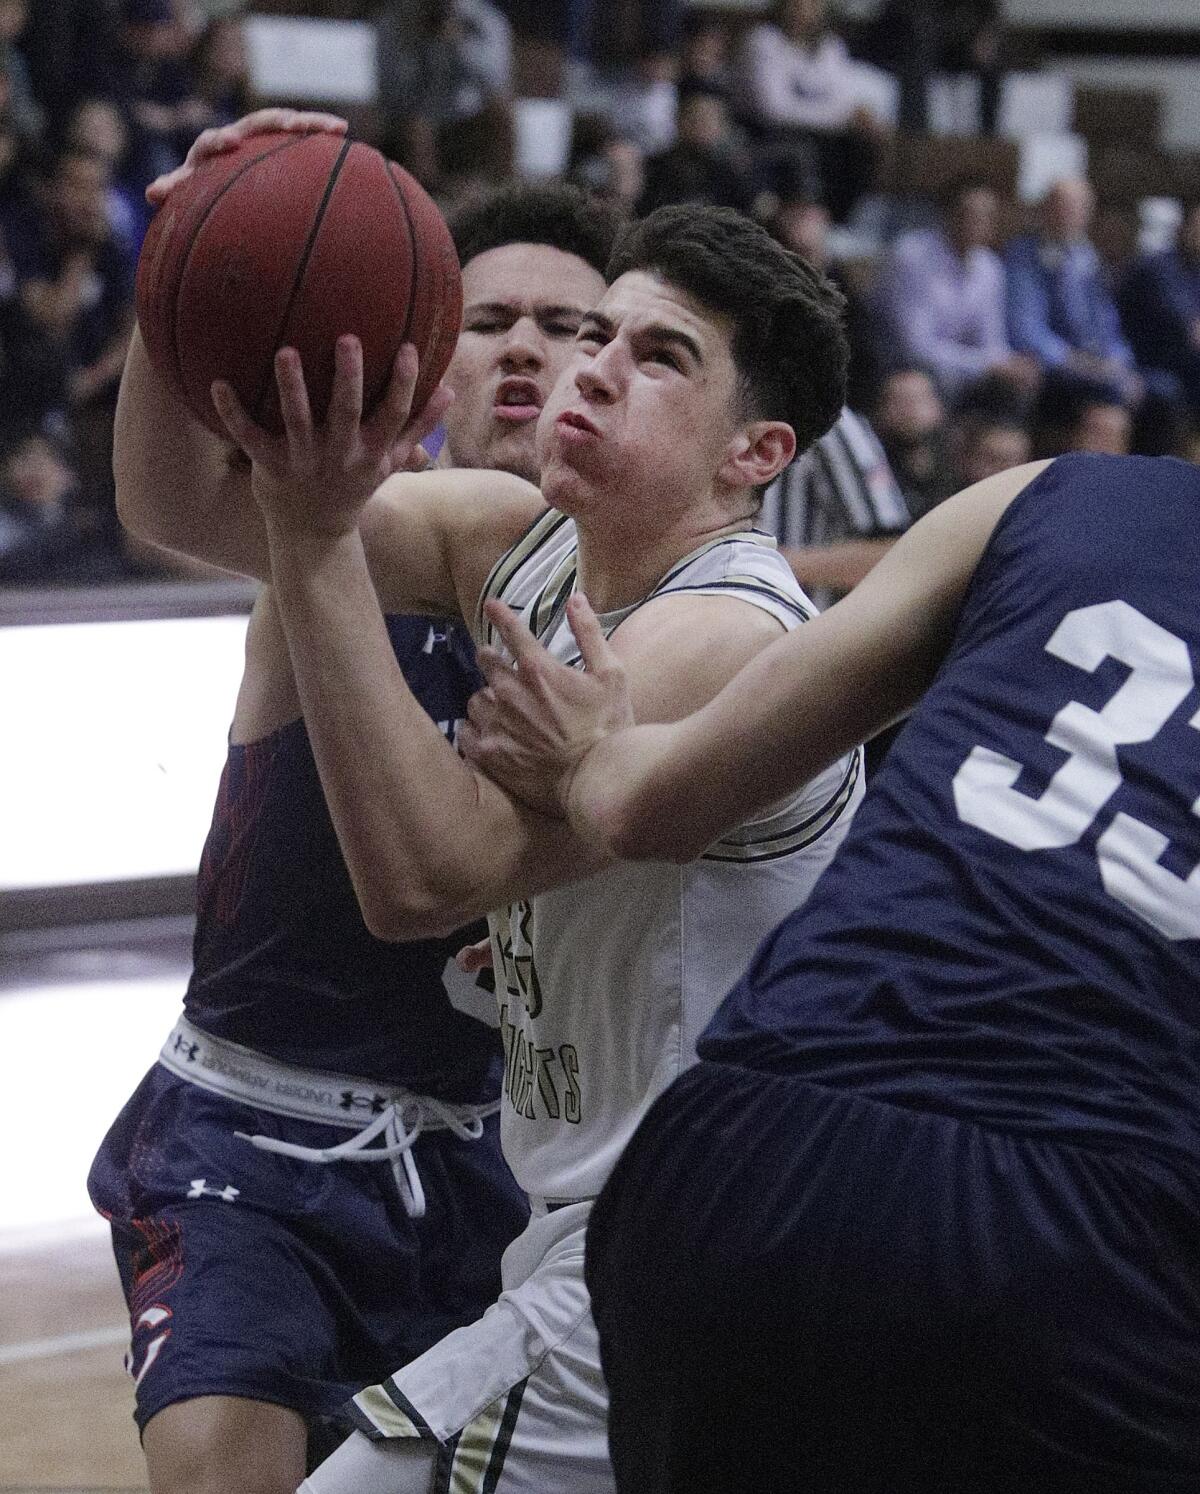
(600, 377)
(523, 347)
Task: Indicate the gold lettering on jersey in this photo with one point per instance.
(516, 952)
(539, 1083)
(572, 1099)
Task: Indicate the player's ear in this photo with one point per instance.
(756, 453)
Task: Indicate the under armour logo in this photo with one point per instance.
(200, 1189)
(189, 1050)
(350, 1101)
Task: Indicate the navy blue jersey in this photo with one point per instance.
(284, 963)
(1011, 930)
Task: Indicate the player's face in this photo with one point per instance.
(643, 415)
(522, 306)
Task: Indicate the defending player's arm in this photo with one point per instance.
(430, 841)
(658, 791)
(184, 489)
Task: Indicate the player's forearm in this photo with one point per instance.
(669, 792)
(428, 842)
(176, 484)
(800, 704)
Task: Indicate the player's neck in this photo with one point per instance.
(617, 569)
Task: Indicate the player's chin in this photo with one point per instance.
(567, 489)
(514, 451)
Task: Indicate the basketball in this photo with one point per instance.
(292, 241)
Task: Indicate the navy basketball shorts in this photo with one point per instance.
(277, 1279)
(799, 1289)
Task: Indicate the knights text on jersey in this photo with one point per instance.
(604, 985)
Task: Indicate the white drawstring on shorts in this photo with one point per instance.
(399, 1137)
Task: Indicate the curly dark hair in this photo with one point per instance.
(553, 213)
(789, 345)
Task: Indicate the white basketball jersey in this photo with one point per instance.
(605, 985)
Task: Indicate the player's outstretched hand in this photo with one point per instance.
(537, 718)
(316, 479)
(223, 138)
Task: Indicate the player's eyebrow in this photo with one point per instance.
(660, 332)
(654, 332)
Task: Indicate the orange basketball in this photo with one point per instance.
(292, 241)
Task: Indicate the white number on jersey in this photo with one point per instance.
(1129, 852)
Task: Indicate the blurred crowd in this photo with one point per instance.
(983, 331)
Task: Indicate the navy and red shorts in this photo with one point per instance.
(262, 1276)
(802, 1289)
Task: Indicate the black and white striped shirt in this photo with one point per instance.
(841, 488)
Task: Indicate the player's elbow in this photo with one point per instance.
(416, 908)
(628, 834)
(405, 920)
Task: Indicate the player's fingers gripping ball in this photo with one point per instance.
(291, 241)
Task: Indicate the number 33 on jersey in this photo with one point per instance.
(1129, 852)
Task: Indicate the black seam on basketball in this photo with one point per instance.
(370, 399)
(334, 173)
(237, 176)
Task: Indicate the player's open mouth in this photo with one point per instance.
(517, 400)
(575, 426)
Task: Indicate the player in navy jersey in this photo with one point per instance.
(925, 1218)
(269, 1272)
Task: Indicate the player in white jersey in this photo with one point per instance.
(673, 937)
(712, 355)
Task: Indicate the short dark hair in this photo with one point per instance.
(789, 345)
(553, 213)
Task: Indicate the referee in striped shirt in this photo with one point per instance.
(835, 510)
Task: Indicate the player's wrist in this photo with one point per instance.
(308, 534)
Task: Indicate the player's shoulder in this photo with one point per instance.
(695, 622)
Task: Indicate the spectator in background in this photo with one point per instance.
(705, 53)
(642, 101)
(39, 540)
(221, 70)
(76, 289)
(1159, 302)
(912, 424)
(941, 293)
(16, 88)
(798, 84)
(622, 33)
(1069, 419)
(97, 127)
(12, 174)
(1060, 311)
(913, 39)
(71, 49)
(605, 162)
(632, 44)
(985, 444)
(445, 81)
(801, 221)
(706, 163)
(156, 42)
